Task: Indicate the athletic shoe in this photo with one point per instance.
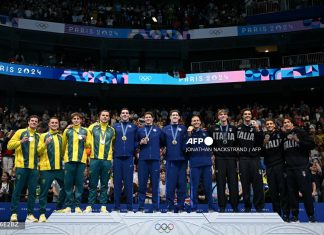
(66, 210)
(88, 209)
(311, 219)
(31, 218)
(77, 210)
(103, 209)
(294, 219)
(13, 218)
(42, 218)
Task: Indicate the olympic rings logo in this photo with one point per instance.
(41, 25)
(145, 78)
(164, 228)
(215, 32)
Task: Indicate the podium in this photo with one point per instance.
(116, 223)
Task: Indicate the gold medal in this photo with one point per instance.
(147, 139)
(124, 138)
(174, 142)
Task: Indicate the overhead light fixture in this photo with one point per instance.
(154, 19)
(266, 51)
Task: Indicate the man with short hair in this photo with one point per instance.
(150, 141)
(249, 139)
(25, 143)
(75, 141)
(124, 151)
(224, 137)
(272, 151)
(200, 161)
(102, 139)
(297, 145)
(176, 162)
(50, 150)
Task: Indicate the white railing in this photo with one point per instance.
(303, 59)
(229, 65)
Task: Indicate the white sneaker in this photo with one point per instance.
(31, 219)
(103, 209)
(66, 210)
(78, 210)
(42, 218)
(88, 209)
(14, 218)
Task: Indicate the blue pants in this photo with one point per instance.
(123, 173)
(176, 178)
(146, 169)
(203, 173)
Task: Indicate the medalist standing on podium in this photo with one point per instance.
(176, 162)
(75, 141)
(50, 150)
(102, 138)
(150, 141)
(224, 137)
(25, 143)
(124, 151)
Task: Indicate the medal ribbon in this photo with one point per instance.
(148, 134)
(174, 136)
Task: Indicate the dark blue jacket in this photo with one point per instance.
(125, 148)
(174, 152)
(199, 153)
(151, 150)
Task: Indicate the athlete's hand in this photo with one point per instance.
(24, 139)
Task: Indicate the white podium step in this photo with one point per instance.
(168, 223)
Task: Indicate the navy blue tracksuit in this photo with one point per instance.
(149, 164)
(200, 166)
(124, 162)
(176, 165)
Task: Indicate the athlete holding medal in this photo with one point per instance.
(124, 151)
(150, 139)
(25, 143)
(224, 137)
(176, 162)
(75, 140)
(102, 138)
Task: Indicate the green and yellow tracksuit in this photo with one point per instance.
(50, 166)
(75, 141)
(102, 138)
(26, 163)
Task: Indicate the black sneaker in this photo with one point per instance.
(311, 219)
(286, 218)
(236, 210)
(222, 210)
(140, 209)
(247, 210)
(259, 210)
(294, 219)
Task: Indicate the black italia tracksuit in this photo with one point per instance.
(296, 154)
(224, 137)
(249, 141)
(272, 151)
